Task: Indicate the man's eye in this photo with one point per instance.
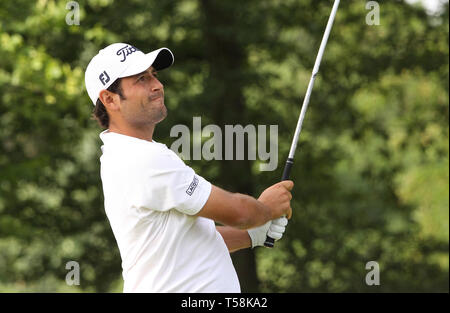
(141, 78)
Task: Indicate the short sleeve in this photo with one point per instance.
(168, 183)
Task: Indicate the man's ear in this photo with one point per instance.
(110, 100)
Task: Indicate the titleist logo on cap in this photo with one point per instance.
(126, 51)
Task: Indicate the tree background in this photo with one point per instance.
(371, 170)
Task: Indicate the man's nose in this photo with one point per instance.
(157, 85)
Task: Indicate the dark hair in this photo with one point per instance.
(100, 113)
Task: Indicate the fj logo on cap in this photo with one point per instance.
(126, 51)
(192, 186)
(104, 78)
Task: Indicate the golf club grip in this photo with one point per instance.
(287, 169)
(270, 242)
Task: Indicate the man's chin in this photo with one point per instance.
(162, 115)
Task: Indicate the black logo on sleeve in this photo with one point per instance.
(104, 78)
(192, 186)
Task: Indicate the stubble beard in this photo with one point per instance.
(149, 112)
(157, 113)
(153, 111)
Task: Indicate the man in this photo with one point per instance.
(161, 212)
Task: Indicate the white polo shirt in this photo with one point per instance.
(150, 199)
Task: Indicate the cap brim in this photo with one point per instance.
(159, 59)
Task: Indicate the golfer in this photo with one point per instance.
(161, 212)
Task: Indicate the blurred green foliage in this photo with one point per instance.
(371, 171)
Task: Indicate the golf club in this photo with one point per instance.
(290, 161)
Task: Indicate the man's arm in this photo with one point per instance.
(243, 211)
(235, 239)
(240, 212)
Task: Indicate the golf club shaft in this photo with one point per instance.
(290, 161)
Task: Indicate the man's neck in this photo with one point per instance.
(145, 133)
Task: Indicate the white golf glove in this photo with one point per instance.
(273, 229)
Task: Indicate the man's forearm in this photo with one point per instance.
(235, 239)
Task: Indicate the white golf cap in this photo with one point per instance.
(121, 60)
